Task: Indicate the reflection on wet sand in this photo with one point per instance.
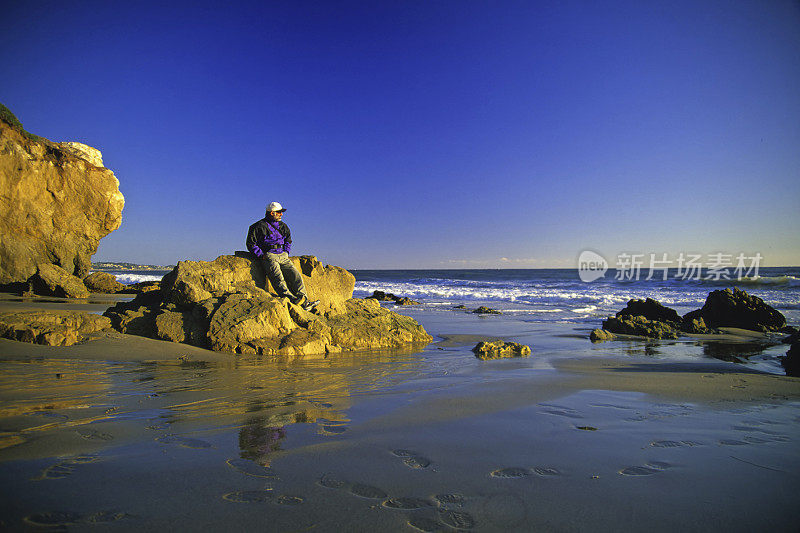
(64, 407)
(734, 352)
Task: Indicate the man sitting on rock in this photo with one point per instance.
(269, 239)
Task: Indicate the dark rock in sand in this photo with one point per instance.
(389, 297)
(791, 361)
(696, 326)
(482, 310)
(103, 282)
(640, 326)
(225, 305)
(52, 280)
(791, 339)
(51, 328)
(498, 349)
(405, 301)
(737, 309)
(383, 296)
(651, 310)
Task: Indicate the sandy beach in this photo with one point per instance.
(127, 433)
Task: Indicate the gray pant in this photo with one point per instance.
(280, 271)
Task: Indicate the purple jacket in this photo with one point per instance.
(268, 236)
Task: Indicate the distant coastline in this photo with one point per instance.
(124, 266)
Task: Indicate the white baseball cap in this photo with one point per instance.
(275, 206)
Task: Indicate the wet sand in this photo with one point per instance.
(127, 433)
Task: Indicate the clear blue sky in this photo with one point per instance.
(427, 134)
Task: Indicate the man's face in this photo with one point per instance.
(275, 215)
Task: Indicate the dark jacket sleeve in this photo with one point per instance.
(287, 237)
(254, 236)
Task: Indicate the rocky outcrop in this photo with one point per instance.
(103, 282)
(641, 327)
(723, 308)
(56, 202)
(51, 280)
(791, 361)
(228, 305)
(389, 297)
(651, 310)
(498, 349)
(483, 310)
(736, 309)
(52, 328)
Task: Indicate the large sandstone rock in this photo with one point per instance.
(51, 280)
(52, 328)
(103, 282)
(56, 202)
(222, 305)
(194, 281)
(737, 309)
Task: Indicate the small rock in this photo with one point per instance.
(600, 335)
(383, 296)
(499, 349)
(482, 310)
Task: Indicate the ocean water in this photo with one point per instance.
(559, 295)
(554, 295)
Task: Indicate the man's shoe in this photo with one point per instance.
(309, 305)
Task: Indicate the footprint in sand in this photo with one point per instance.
(249, 496)
(262, 496)
(184, 442)
(368, 491)
(449, 499)
(674, 443)
(653, 467)
(417, 461)
(546, 471)
(251, 468)
(65, 467)
(407, 503)
(331, 481)
(457, 519)
(412, 459)
(427, 524)
(62, 519)
(91, 434)
(513, 472)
